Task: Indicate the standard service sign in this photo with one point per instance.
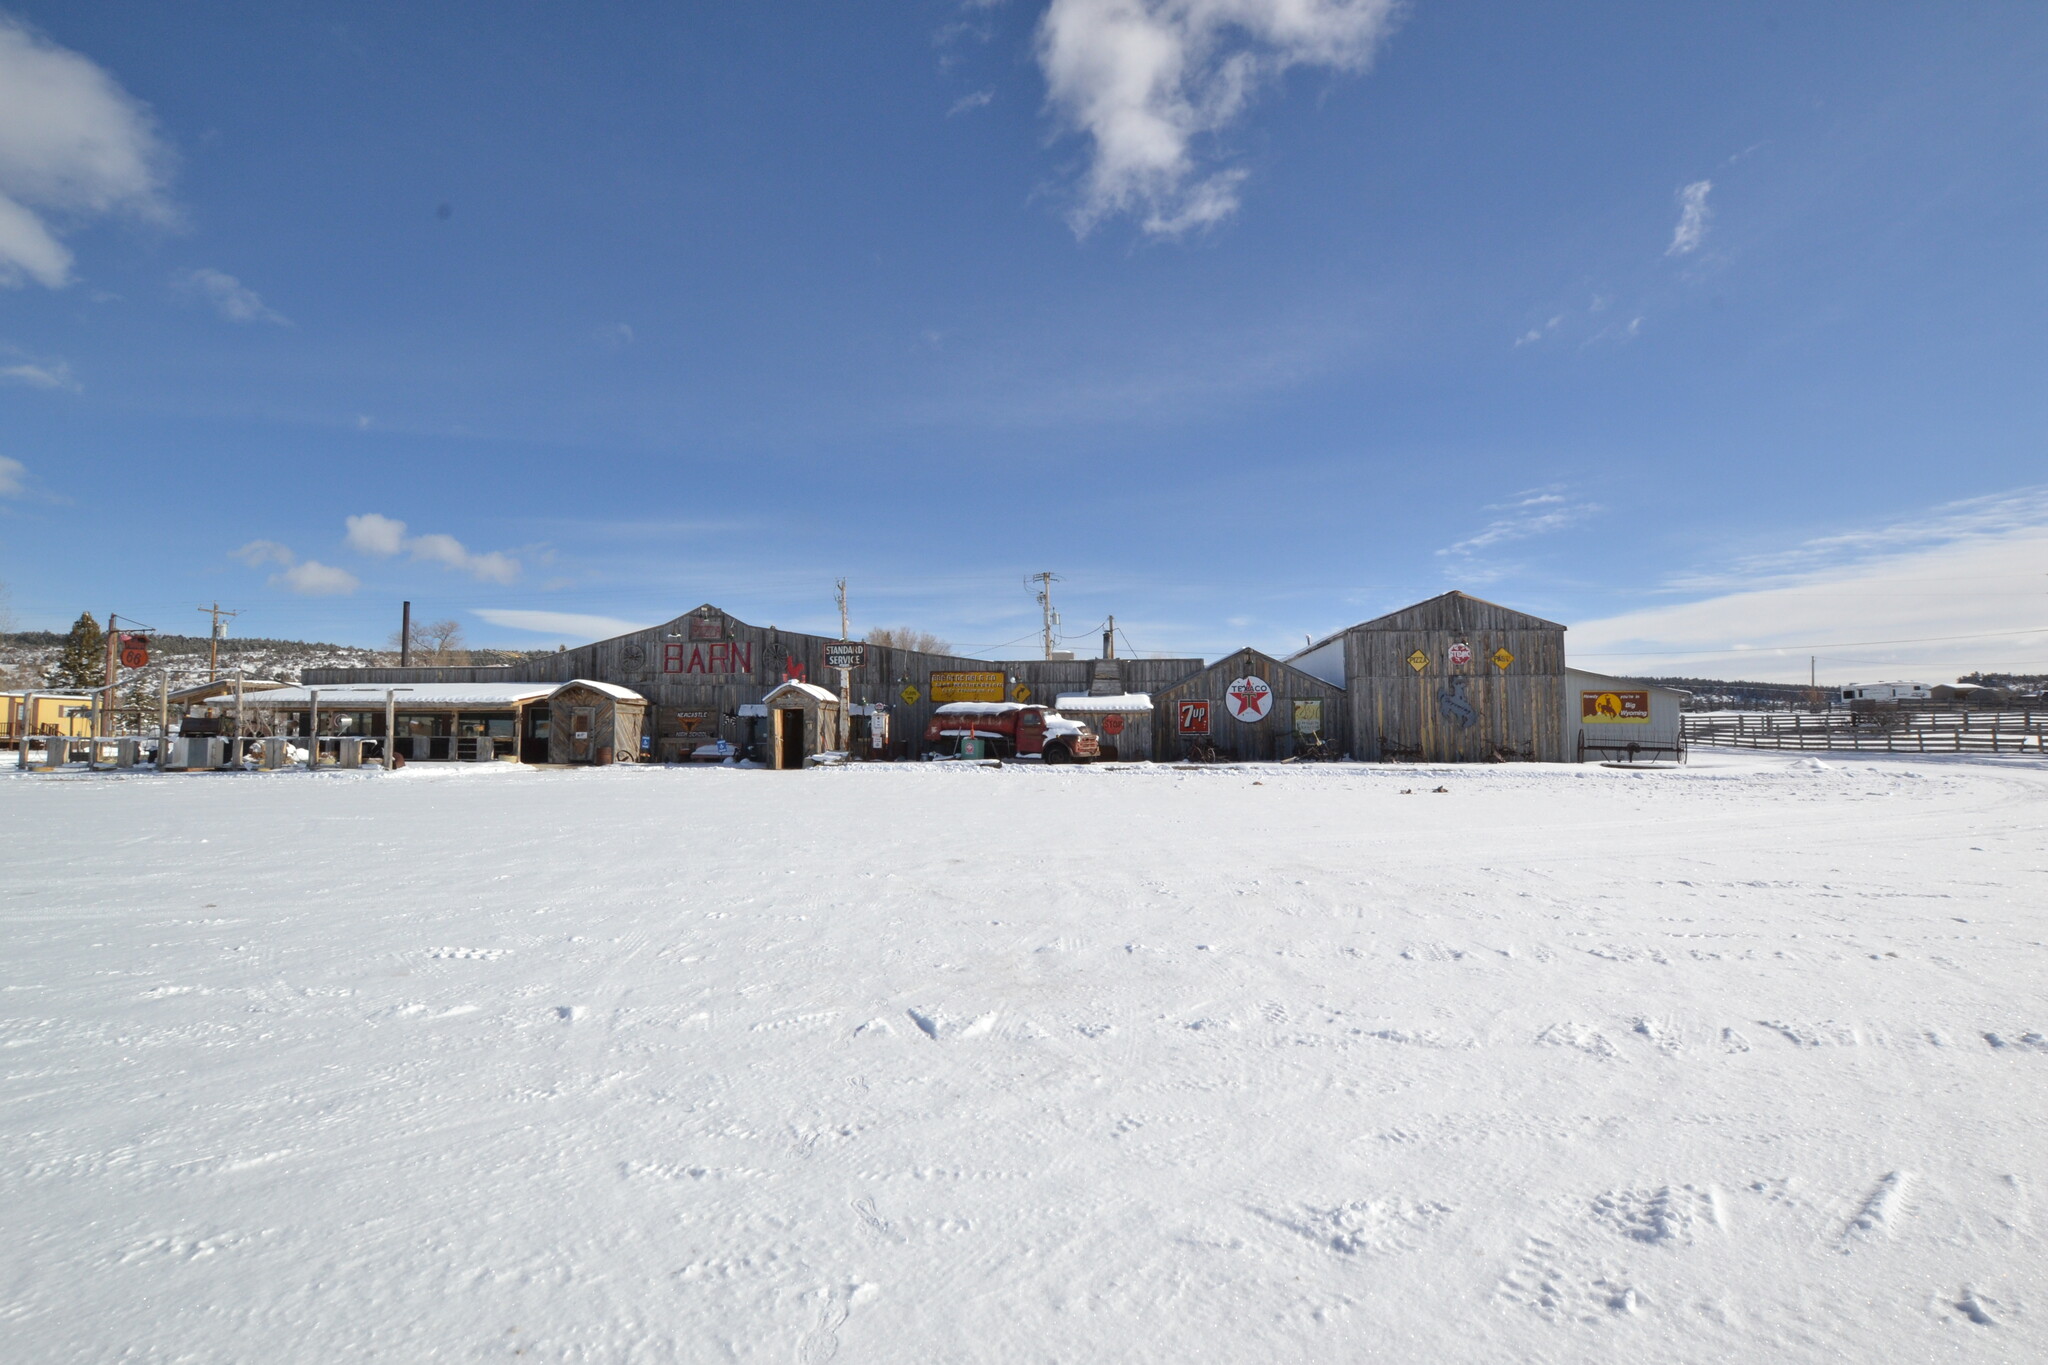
(846, 654)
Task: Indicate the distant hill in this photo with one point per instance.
(26, 656)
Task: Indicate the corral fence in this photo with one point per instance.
(1915, 731)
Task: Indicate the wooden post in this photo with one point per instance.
(21, 732)
(237, 755)
(313, 725)
(163, 718)
(104, 722)
(405, 636)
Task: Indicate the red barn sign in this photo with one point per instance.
(722, 656)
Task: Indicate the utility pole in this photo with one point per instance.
(1109, 639)
(405, 637)
(845, 680)
(213, 639)
(106, 716)
(1045, 580)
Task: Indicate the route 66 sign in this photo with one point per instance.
(1461, 653)
(1250, 698)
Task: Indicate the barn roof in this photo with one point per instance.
(1446, 611)
(1229, 665)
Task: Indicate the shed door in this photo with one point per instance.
(582, 733)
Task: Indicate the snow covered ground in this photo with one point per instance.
(1744, 1062)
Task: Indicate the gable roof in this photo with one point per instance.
(1452, 610)
(811, 690)
(1233, 663)
(605, 688)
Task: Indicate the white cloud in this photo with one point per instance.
(53, 374)
(308, 578)
(13, 477)
(1692, 219)
(566, 625)
(230, 298)
(1532, 512)
(1146, 81)
(257, 553)
(375, 534)
(968, 103)
(314, 579)
(1889, 600)
(73, 145)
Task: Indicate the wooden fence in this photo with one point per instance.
(1916, 731)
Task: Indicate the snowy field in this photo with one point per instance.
(1739, 1063)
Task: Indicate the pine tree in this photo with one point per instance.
(83, 664)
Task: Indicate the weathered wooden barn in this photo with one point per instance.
(706, 673)
(1451, 680)
(1247, 706)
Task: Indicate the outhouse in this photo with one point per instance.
(594, 722)
(803, 719)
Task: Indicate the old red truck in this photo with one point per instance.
(1011, 730)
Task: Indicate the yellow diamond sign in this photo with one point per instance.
(1418, 661)
(1501, 657)
(910, 694)
(1020, 693)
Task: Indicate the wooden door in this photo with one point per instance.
(582, 733)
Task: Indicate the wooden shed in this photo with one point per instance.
(803, 720)
(1454, 679)
(1246, 706)
(594, 722)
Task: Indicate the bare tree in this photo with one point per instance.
(436, 643)
(906, 637)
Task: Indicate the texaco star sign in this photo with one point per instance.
(1250, 699)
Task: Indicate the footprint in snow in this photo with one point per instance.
(940, 1027)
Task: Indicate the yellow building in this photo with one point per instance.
(56, 713)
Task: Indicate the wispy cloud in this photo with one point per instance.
(73, 146)
(968, 103)
(37, 374)
(306, 577)
(228, 296)
(383, 537)
(567, 625)
(1532, 512)
(2015, 512)
(1692, 219)
(13, 478)
(1150, 83)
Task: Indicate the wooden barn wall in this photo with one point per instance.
(1400, 713)
(1268, 739)
(751, 660)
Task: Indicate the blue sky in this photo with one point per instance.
(1713, 331)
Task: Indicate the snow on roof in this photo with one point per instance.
(224, 687)
(978, 708)
(1123, 703)
(608, 689)
(808, 689)
(410, 696)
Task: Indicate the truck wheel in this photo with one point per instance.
(1057, 753)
